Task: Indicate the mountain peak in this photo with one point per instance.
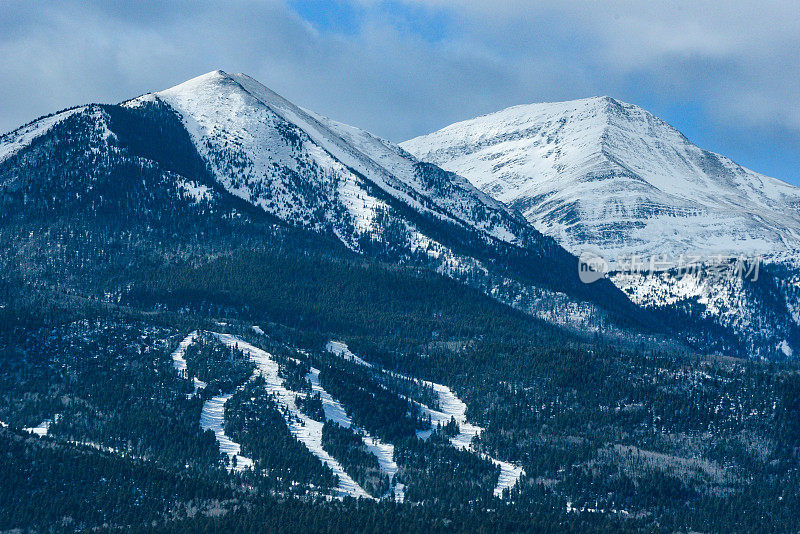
(301, 166)
(208, 77)
(603, 173)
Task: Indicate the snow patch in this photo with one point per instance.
(42, 428)
(198, 192)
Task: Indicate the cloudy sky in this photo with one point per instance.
(727, 74)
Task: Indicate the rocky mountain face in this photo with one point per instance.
(604, 176)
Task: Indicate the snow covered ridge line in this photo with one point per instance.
(387, 166)
(451, 408)
(14, 141)
(604, 173)
(234, 117)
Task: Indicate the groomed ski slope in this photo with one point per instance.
(213, 418)
(384, 452)
(451, 407)
(303, 428)
(179, 362)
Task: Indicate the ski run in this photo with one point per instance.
(179, 362)
(451, 408)
(212, 417)
(308, 431)
(384, 452)
(303, 428)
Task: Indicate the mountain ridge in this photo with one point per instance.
(238, 138)
(602, 173)
(221, 314)
(610, 178)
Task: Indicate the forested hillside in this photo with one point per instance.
(179, 354)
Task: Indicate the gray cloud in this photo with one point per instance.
(735, 67)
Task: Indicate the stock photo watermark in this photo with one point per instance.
(593, 267)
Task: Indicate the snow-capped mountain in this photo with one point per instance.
(306, 168)
(608, 177)
(602, 174)
(221, 144)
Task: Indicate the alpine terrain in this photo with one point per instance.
(608, 177)
(222, 312)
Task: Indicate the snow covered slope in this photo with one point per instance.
(608, 177)
(451, 408)
(179, 362)
(723, 313)
(312, 171)
(373, 196)
(306, 430)
(13, 142)
(203, 150)
(602, 174)
(212, 417)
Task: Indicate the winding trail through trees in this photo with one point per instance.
(306, 430)
(451, 408)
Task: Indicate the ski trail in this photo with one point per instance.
(384, 452)
(306, 430)
(340, 349)
(509, 474)
(451, 407)
(179, 362)
(213, 418)
(333, 409)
